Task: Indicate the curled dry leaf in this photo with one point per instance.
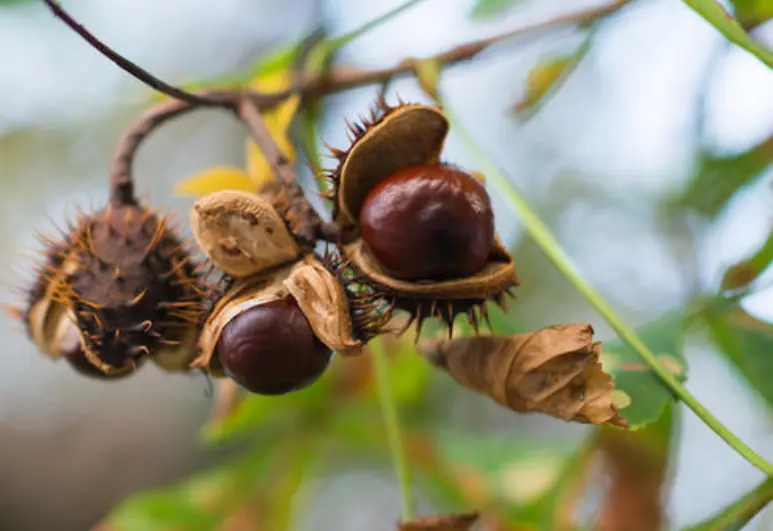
(323, 300)
(443, 522)
(553, 370)
(241, 233)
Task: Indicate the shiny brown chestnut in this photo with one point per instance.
(428, 222)
(271, 349)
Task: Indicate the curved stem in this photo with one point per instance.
(392, 426)
(550, 246)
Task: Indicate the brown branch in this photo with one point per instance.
(342, 78)
(248, 104)
(121, 183)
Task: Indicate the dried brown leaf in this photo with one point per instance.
(443, 522)
(553, 370)
(241, 233)
(323, 300)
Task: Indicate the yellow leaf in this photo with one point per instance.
(215, 179)
(277, 122)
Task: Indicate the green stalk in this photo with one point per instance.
(550, 246)
(392, 427)
(737, 515)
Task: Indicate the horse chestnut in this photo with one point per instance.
(428, 222)
(271, 349)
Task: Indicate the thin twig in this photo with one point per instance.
(342, 78)
(131, 67)
(121, 182)
(297, 211)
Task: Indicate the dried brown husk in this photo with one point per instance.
(48, 317)
(442, 522)
(241, 233)
(391, 139)
(444, 299)
(322, 298)
(553, 370)
(127, 281)
(317, 291)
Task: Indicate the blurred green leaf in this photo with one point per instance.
(751, 13)
(179, 507)
(409, 373)
(506, 469)
(635, 465)
(646, 395)
(428, 73)
(728, 26)
(747, 343)
(4, 3)
(546, 78)
(489, 8)
(746, 271)
(736, 516)
(719, 178)
(558, 504)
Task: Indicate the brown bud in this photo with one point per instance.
(553, 370)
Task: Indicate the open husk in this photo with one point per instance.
(241, 233)
(393, 138)
(444, 299)
(553, 370)
(50, 322)
(317, 291)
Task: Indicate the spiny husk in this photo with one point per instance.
(241, 233)
(553, 370)
(128, 282)
(441, 522)
(320, 296)
(444, 299)
(323, 299)
(392, 138)
(46, 316)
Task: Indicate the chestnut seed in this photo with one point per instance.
(428, 222)
(271, 349)
(81, 365)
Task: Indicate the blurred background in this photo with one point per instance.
(651, 162)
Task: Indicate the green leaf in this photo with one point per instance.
(547, 77)
(736, 516)
(746, 271)
(175, 507)
(5, 3)
(747, 343)
(643, 396)
(719, 178)
(489, 8)
(752, 13)
(716, 15)
(515, 471)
